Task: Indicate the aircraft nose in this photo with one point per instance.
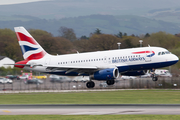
(174, 57)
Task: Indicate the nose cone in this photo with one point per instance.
(174, 58)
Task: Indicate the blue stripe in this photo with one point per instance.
(25, 48)
(150, 55)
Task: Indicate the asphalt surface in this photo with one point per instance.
(90, 109)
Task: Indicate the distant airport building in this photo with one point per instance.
(6, 60)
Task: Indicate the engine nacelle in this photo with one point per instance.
(105, 74)
(134, 73)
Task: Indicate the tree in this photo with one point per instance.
(162, 39)
(82, 45)
(52, 45)
(97, 31)
(119, 35)
(147, 35)
(103, 42)
(9, 45)
(67, 33)
(84, 37)
(125, 34)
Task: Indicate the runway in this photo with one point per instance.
(90, 109)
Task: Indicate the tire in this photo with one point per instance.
(154, 78)
(110, 82)
(90, 84)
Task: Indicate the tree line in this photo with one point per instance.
(67, 42)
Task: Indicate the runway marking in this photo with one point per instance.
(7, 111)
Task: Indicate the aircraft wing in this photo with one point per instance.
(68, 69)
(73, 67)
(28, 65)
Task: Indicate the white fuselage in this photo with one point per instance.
(124, 59)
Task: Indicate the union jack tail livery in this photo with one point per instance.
(31, 50)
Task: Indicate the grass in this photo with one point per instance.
(90, 117)
(95, 97)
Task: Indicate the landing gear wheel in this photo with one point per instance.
(110, 82)
(90, 84)
(154, 78)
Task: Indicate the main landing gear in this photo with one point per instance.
(153, 75)
(110, 82)
(90, 84)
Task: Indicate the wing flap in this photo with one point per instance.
(72, 67)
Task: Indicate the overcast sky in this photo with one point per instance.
(6, 2)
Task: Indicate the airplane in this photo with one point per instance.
(158, 72)
(100, 65)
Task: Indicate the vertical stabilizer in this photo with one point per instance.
(30, 48)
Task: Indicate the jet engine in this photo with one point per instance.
(105, 74)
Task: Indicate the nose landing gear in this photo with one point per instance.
(153, 75)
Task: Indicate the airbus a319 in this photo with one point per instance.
(101, 65)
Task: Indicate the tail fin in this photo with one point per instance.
(31, 50)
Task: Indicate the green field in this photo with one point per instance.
(95, 97)
(90, 117)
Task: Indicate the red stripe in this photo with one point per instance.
(36, 56)
(22, 37)
(142, 52)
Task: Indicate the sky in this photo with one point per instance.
(7, 2)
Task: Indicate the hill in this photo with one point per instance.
(84, 25)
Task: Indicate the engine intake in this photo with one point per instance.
(105, 74)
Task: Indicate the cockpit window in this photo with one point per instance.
(167, 52)
(164, 52)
